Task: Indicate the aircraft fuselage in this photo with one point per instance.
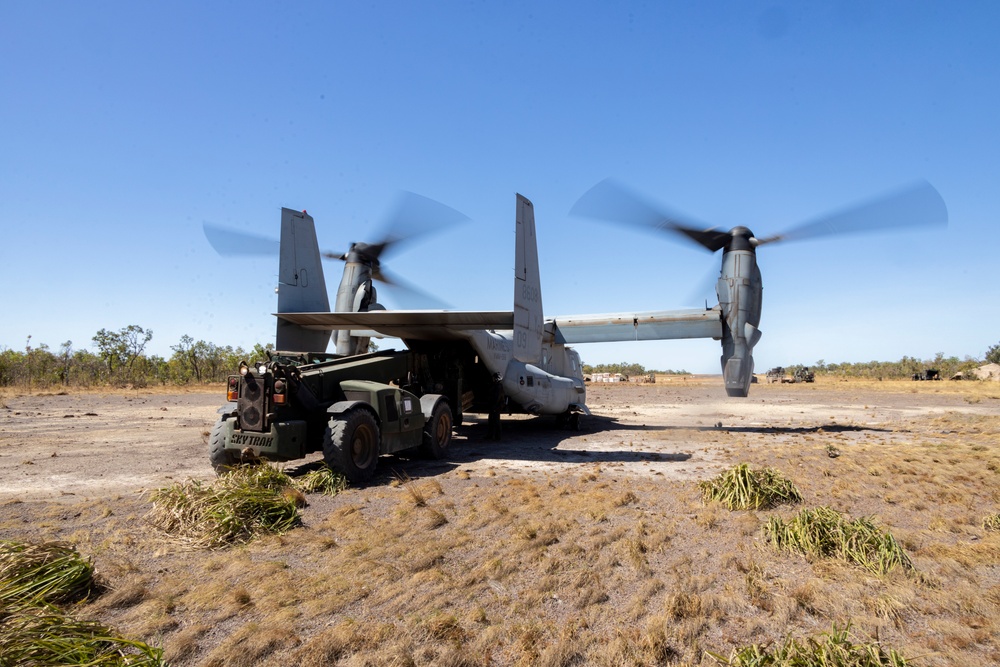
(551, 386)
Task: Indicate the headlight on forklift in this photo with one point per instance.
(279, 392)
(244, 368)
(233, 388)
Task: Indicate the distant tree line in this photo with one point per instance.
(120, 360)
(904, 369)
(632, 370)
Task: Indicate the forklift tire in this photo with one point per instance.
(437, 432)
(221, 459)
(351, 444)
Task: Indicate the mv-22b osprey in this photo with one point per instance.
(354, 406)
(524, 351)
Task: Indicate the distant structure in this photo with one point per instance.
(987, 372)
(607, 377)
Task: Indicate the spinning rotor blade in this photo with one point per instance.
(413, 216)
(917, 205)
(408, 295)
(230, 242)
(609, 200)
(410, 217)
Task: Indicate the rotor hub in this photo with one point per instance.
(742, 239)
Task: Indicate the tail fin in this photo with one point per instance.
(528, 322)
(301, 285)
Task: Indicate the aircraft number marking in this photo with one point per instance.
(531, 294)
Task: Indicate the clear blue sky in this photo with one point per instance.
(124, 126)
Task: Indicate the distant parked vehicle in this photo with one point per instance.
(780, 374)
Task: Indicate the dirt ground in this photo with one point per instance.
(87, 445)
(552, 547)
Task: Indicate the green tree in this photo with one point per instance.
(120, 349)
(187, 360)
(260, 352)
(993, 354)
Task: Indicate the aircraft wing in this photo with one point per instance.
(650, 325)
(406, 324)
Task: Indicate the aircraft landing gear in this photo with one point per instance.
(569, 420)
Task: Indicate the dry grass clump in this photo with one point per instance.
(42, 573)
(246, 502)
(992, 522)
(741, 488)
(824, 533)
(832, 649)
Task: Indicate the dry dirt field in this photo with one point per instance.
(551, 547)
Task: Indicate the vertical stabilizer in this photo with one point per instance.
(301, 285)
(528, 321)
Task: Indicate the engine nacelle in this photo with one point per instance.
(739, 290)
(355, 294)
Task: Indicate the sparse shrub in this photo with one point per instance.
(992, 522)
(824, 533)
(833, 648)
(42, 573)
(743, 488)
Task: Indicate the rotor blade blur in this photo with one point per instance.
(408, 296)
(612, 201)
(231, 242)
(917, 205)
(413, 216)
(703, 294)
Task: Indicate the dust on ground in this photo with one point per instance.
(76, 446)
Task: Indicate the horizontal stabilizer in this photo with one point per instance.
(653, 325)
(406, 324)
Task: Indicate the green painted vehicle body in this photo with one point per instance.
(400, 420)
(294, 405)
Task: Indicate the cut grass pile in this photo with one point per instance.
(824, 533)
(833, 649)
(742, 488)
(322, 480)
(33, 631)
(240, 505)
(42, 573)
(45, 635)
